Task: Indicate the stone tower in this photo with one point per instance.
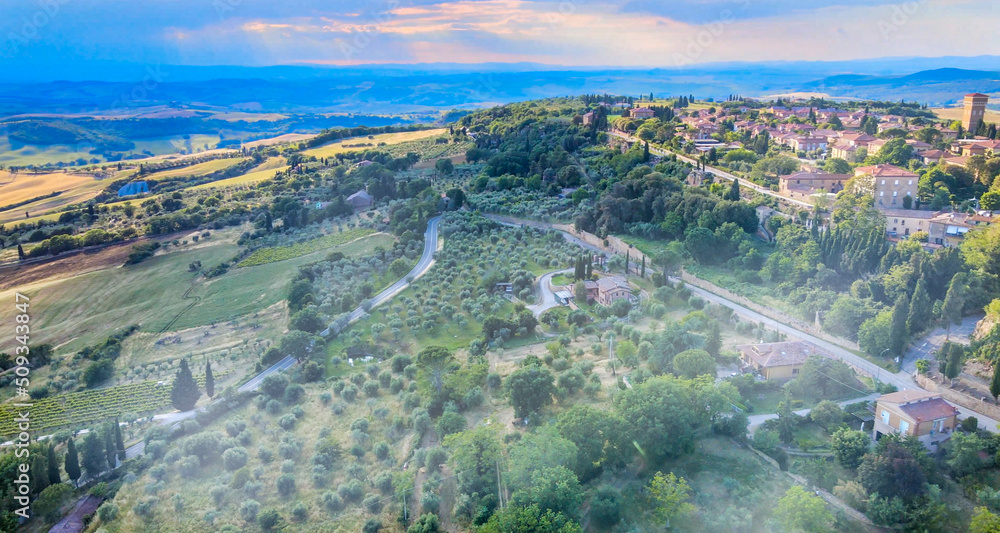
(975, 110)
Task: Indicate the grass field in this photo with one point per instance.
(201, 169)
(250, 177)
(335, 148)
(955, 113)
(14, 153)
(85, 309)
(282, 253)
(23, 186)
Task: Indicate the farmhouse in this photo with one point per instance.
(360, 200)
(642, 112)
(917, 413)
(805, 183)
(777, 360)
(612, 289)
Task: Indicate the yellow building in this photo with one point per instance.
(777, 360)
(917, 413)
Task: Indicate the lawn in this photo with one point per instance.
(282, 253)
(334, 148)
(198, 170)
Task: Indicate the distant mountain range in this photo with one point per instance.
(401, 89)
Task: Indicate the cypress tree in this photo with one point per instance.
(899, 335)
(713, 339)
(119, 442)
(643, 273)
(209, 380)
(184, 393)
(20, 252)
(110, 450)
(628, 259)
(995, 383)
(53, 465)
(920, 308)
(39, 478)
(72, 462)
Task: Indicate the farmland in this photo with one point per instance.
(80, 310)
(16, 188)
(198, 170)
(82, 408)
(248, 178)
(282, 253)
(335, 148)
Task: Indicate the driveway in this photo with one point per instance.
(757, 420)
(547, 298)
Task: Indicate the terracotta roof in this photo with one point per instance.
(920, 405)
(978, 94)
(773, 354)
(884, 171)
(819, 176)
(610, 283)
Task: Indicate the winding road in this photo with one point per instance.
(423, 265)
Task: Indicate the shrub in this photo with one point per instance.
(351, 490)
(332, 501)
(372, 503)
(107, 512)
(286, 485)
(249, 510)
(269, 519)
(450, 422)
(381, 450)
(287, 422)
(235, 458)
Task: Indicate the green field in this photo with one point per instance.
(198, 170)
(283, 253)
(83, 310)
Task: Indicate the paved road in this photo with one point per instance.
(927, 347)
(548, 298)
(757, 420)
(716, 172)
(422, 266)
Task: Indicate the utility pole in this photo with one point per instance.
(499, 488)
(611, 352)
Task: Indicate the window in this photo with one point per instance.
(883, 182)
(904, 426)
(910, 183)
(894, 193)
(881, 193)
(885, 416)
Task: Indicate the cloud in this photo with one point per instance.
(567, 32)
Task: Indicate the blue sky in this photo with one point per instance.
(558, 32)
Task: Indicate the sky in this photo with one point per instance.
(628, 33)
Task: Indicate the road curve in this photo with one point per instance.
(547, 298)
(423, 265)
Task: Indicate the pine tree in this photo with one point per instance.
(184, 393)
(53, 465)
(72, 462)
(209, 380)
(119, 442)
